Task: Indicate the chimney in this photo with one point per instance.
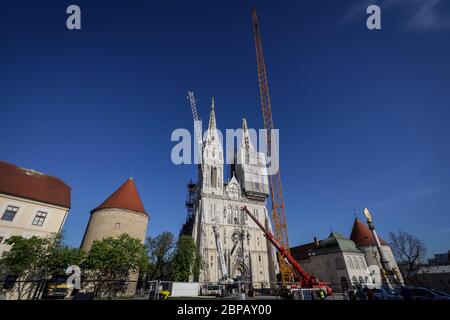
(316, 242)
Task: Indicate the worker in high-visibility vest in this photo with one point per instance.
(164, 294)
(322, 294)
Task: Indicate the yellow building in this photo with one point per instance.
(31, 203)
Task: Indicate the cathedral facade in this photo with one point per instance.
(230, 244)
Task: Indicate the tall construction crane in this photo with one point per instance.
(276, 191)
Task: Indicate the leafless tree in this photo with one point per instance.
(409, 251)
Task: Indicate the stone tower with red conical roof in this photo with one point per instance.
(122, 212)
(364, 239)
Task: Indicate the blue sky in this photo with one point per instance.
(363, 115)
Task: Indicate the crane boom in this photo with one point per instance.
(305, 276)
(276, 191)
(223, 265)
(197, 126)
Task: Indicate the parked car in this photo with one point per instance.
(386, 294)
(211, 289)
(440, 293)
(57, 288)
(419, 293)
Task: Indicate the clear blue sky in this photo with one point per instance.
(363, 116)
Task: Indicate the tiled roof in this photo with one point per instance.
(303, 251)
(33, 185)
(336, 242)
(362, 236)
(125, 197)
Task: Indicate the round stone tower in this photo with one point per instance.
(123, 212)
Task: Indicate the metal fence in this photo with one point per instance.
(154, 290)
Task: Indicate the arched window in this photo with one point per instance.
(361, 263)
(213, 177)
(354, 280)
(230, 215)
(350, 263)
(361, 280)
(355, 262)
(366, 279)
(242, 213)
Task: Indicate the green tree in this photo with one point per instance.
(34, 260)
(160, 252)
(185, 259)
(111, 261)
(63, 256)
(198, 265)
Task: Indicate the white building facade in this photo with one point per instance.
(231, 245)
(335, 260)
(31, 203)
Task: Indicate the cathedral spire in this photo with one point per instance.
(212, 116)
(246, 136)
(244, 124)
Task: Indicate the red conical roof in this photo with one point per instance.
(362, 236)
(126, 197)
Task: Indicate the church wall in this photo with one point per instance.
(226, 210)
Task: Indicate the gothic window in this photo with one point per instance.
(213, 177)
(361, 280)
(354, 279)
(236, 215)
(233, 191)
(242, 216)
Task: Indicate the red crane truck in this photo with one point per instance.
(304, 279)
